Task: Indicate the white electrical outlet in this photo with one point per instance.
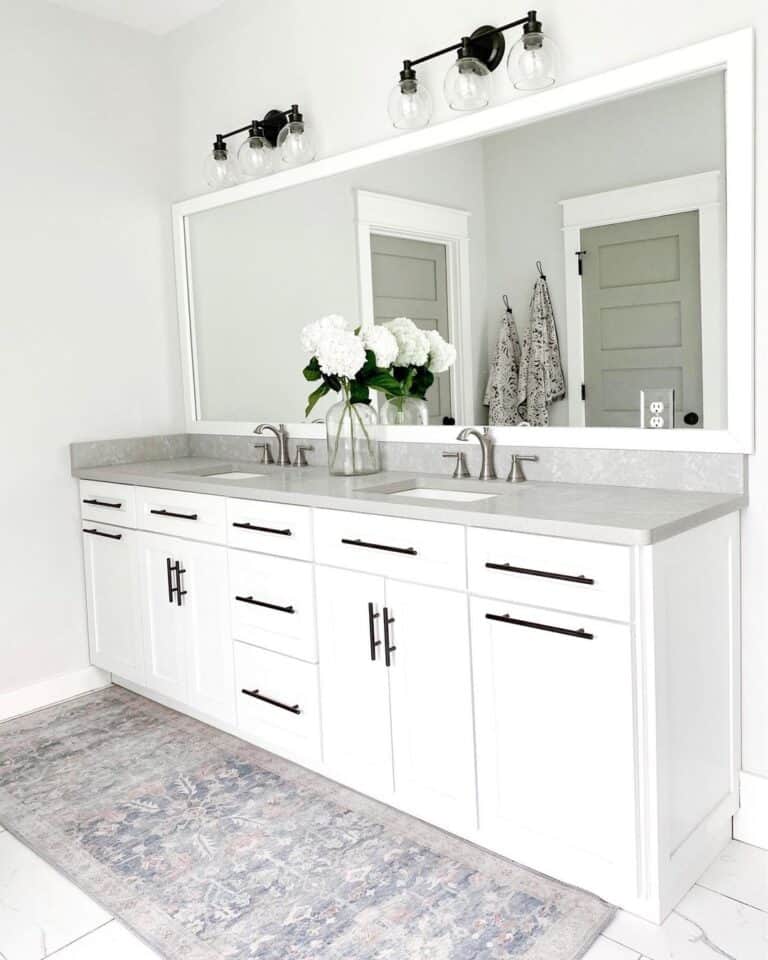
(657, 408)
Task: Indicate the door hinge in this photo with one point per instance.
(583, 391)
(581, 254)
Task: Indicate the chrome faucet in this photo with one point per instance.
(283, 457)
(485, 439)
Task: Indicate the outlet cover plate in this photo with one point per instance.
(657, 408)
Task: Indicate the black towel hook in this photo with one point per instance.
(541, 270)
(507, 307)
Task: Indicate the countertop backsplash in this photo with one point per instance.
(708, 472)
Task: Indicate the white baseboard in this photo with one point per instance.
(751, 822)
(14, 703)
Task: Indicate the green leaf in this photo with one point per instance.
(358, 392)
(422, 380)
(315, 396)
(383, 381)
(312, 370)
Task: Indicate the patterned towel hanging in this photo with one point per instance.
(501, 392)
(541, 379)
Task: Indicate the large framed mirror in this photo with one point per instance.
(588, 250)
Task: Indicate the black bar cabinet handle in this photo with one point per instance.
(380, 546)
(263, 603)
(100, 533)
(275, 703)
(508, 568)
(180, 592)
(389, 648)
(252, 526)
(103, 503)
(169, 578)
(532, 625)
(372, 617)
(178, 516)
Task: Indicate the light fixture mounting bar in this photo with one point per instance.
(481, 34)
(269, 127)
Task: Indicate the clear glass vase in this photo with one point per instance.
(353, 449)
(399, 411)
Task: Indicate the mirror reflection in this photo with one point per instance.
(577, 264)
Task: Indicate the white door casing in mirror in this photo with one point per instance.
(732, 53)
(702, 192)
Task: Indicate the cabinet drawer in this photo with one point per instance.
(108, 503)
(195, 516)
(589, 578)
(276, 528)
(281, 711)
(273, 604)
(415, 550)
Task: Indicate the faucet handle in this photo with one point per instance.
(461, 470)
(516, 473)
(266, 452)
(301, 449)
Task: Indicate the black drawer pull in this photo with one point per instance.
(380, 546)
(178, 516)
(275, 703)
(263, 603)
(531, 624)
(251, 526)
(100, 533)
(508, 568)
(103, 503)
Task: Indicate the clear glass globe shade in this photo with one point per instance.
(295, 144)
(254, 158)
(219, 171)
(468, 85)
(533, 62)
(409, 105)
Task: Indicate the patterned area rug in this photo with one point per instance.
(208, 847)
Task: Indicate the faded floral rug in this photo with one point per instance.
(208, 847)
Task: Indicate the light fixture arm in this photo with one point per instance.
(268, 128)
(483, 33)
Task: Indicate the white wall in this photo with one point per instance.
(86, 330)
(339, 58)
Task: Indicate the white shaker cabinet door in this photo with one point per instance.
(354, 689)
(164, 641)
(554, 701)
(112, 592)
(430, 680)
(187, 640)
(205, 621)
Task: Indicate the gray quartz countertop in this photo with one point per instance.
(607, 514)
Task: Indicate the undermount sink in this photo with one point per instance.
(232, 475)
(432, 493)
(220, 473)
(464, 493)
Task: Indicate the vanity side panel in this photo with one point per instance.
(697, 636)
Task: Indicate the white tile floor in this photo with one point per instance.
(724, 917)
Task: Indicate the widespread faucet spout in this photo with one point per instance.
(283, 457)
(487, 470)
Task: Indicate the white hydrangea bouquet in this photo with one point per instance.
(395, 358)
(421, 355)
(352, 362)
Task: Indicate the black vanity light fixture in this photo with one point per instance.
(532, 64)
(281, 137)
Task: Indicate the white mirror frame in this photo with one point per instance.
(732, 53)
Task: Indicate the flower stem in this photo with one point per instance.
(365, 432)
